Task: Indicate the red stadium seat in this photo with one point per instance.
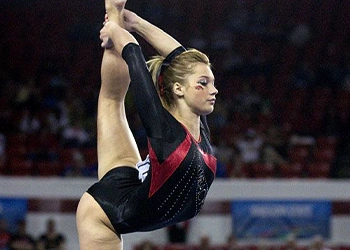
(299, 154)
(90, 155)
(328, 142)
(3, 167)
(326, 155)
(318, 170)
(263, 170)
(179, 247)
(47, 168)
(16, 152)
(66, 156)
(20, 167)
(16, 140)
(291, 170)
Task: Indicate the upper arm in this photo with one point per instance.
(148, 103)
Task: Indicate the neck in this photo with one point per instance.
(190, 120)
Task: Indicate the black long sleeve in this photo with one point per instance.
(148, 103)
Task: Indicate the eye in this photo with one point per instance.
(203, 82)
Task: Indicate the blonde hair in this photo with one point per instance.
(177, 71)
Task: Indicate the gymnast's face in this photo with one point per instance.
(199, 90)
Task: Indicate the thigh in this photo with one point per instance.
(94, 228)
(116, 145)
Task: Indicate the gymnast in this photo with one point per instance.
(174, 92)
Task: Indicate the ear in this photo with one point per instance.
(178, 89)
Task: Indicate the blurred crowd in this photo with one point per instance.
(21, 239)
(205, 242)
(282, 69)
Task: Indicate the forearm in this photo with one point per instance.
(157, 38)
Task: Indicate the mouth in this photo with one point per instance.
(212, 101)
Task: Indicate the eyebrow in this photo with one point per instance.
(208, 77)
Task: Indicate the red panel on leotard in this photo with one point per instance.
(162, 171)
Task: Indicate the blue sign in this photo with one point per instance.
(277, 219)
(13, 210)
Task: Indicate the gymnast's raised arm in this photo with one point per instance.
(157, 38)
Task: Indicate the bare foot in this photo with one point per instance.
(115, 10)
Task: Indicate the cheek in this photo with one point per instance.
(199, 88)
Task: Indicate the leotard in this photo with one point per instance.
(170, 185)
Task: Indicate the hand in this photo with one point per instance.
(112, 35)
(130, 20)
(107, 42)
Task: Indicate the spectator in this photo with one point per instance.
(178, 233)
(42, 147)
(249, 146)
(300, 35)
(57, 118)
(232, 243)
(318, 243)
(28, 96)
(146, 245)
(269, 152)
(279, 139)
(51, 239)
(21, 240)
(345, 83)
(291, 243)
(238, 18)
(228, 160)
(204, 243)
(29, 122)
(78, 167)
(75, 135)
(221, 40)
(4, 234)
(198, 40)
(2, 151)
(304, 75)
(248, 101)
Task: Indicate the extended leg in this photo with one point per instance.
(116, 145)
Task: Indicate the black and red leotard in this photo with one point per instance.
(179, 169)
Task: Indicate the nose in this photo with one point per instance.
(214, 90)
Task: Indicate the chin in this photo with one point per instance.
(207, 112)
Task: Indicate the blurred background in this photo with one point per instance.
(282, 68)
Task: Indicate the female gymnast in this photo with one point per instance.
(173, 94)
